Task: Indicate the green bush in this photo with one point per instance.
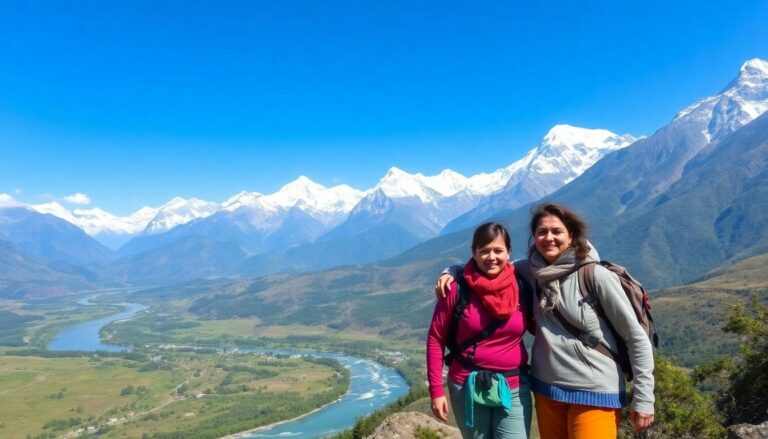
(682, 411)
(427, 433)
(741, 382)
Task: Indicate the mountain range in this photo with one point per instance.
(669, 228)
(306, 226)
(676, 204)
(670, 206)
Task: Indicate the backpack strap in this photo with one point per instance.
(525, 297)
(462, 298)
(587, 286)
(586, 276)
(454, 348)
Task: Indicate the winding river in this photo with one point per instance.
(372, 385)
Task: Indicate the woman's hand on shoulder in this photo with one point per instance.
(440, 408)
(640, 421)
(443, 285)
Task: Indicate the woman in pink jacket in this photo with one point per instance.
(487, 377)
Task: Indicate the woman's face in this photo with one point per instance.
(551, 238)
(492, 257)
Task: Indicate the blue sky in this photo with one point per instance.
(135, 102)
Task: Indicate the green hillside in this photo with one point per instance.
(396, 302)
(690, 317)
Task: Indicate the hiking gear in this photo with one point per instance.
(566, 370)
(488, 389)
(462, 299)
(638, 298)
(502, 350)
(499, 295)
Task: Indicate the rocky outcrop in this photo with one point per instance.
(748, 431)
(404, 425)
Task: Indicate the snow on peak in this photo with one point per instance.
(565, 150)
(179, 211)
(93, 221)
(447, 182)
(55, 209)
(398, 183)
(568, 151)
(244, 199)
(570, 136)
(308, 195)
(7, 200)
(742, 101)
(302, 185)
(755, 68)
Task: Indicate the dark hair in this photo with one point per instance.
(572, 221)
(485, 233)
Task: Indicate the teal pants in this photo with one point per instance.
(495, 422)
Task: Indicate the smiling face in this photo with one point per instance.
(551, 237)
(492, 257)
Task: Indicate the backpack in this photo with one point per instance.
(638, 298)
(462, 299)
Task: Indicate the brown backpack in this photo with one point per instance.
(638, 298)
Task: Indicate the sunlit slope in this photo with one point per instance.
(690, 317)
(397, 301)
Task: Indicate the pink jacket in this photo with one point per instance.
(502, 350)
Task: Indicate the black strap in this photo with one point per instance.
(587, 286)
(462, 298)
(588, 339)
(469, 365)
(454, 348)
(525, 297)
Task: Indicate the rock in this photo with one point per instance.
(403, 425)
(748, 431)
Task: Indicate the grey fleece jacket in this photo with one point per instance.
(565, 369)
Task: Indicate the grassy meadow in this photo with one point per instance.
(170, 392)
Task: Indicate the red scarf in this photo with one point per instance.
(499, 295)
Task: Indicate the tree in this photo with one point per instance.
(682, 411)
(742, 382)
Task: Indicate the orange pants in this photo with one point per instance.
(560, 420)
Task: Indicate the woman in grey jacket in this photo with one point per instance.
(579, 391)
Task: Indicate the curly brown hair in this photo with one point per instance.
(572, 221)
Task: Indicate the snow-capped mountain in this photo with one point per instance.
(48, 238)
(567, 151)
(397, 183)
(175, 212)
(742, 101)
(97, 221)
(701, 125)
(113, 231)
(327, 205)
(563, 154)
(405, 209)
(299, 212)
(428, 201)
(110, 230)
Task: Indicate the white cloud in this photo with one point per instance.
(17, 191)
(78, 198)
